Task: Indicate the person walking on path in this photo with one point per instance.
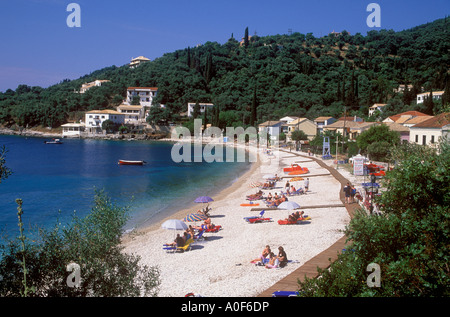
(306, 185)
(347, 191)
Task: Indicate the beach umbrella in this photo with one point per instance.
(203, 199)
(194, 217)
(288, 205)
(174, 224)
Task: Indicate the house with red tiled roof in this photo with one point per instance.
(404, 116)
(431, 131)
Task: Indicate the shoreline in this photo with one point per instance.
(193, 207)
(220, 266)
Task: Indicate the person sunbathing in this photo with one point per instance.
(264, 254)
(178, 242)
(273, 262)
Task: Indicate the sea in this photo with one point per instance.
(56, 181)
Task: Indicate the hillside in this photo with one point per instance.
(295, 74)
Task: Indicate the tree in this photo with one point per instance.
(377, 133)
(109, 126)
(94, 243)
(253, 114)
(409, 240)
(4, 170)
(246, 39)
(298, 135)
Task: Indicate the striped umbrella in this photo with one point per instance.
(194, 217)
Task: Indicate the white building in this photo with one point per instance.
(273, 128)
(375, 107)
(95, 118)
(135, 62)
(133, 114)
(431, 131)
(97, 83)
(71, 130)
(203, 106)
(145, 94)
(436, 96)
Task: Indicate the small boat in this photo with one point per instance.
(125, 162)
(54, 141)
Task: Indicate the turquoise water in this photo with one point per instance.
(55, 180)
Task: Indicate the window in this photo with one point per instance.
(432, 139)
(424, 139)
(417, 138)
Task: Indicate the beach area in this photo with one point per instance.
(220, 265)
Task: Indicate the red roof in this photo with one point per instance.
(147, 88)
(435, 122)
(407, 113)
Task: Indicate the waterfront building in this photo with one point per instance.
(71, 130)
(95, 118)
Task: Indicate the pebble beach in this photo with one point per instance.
(220, 265)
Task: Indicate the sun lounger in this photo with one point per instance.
(285, 294)
(214, 229)
(199, 236)
(257, 219)
(187, 246)
(299, 221)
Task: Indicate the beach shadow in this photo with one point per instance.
(216, 216)
(196, 247)
(212, 238)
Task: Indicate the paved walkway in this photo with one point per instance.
(322, 260)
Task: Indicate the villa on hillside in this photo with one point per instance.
(375, 107)
(135, 62)
(431, 131)
(420, 98)
(145, 95)
(86, 86)
(95, 118)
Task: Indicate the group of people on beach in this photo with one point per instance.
(273, 201)
(270, 260)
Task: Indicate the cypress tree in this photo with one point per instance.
(246, 38)
(254, 106)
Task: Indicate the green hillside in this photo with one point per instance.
(295, 74)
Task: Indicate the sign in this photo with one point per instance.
(358, 165)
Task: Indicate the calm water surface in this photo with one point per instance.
(55, 180)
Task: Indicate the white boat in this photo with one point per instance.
(54, 141)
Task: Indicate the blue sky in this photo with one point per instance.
(39, 49)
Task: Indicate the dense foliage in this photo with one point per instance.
(93, 243)
(410, 241)
(263, 79)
